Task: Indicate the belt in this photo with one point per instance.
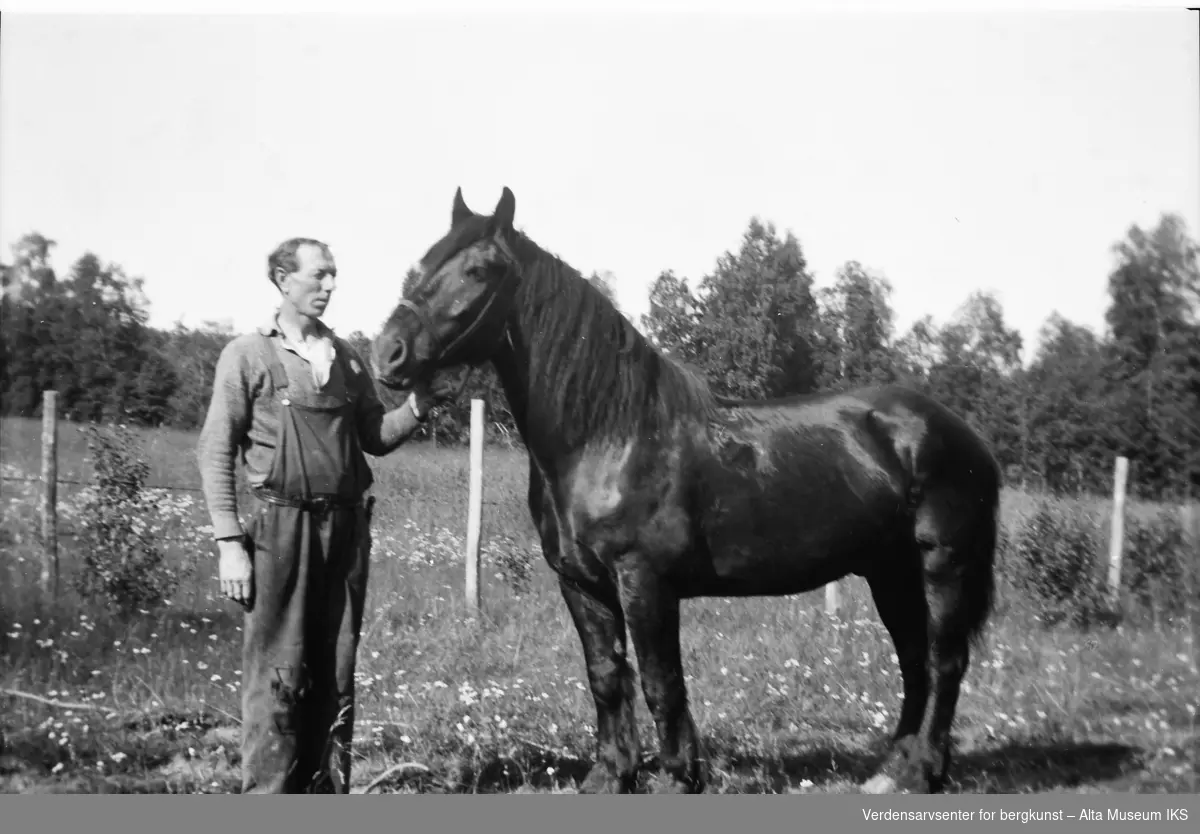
(317, 503)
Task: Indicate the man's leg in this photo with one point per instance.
(275, 678)
(342, 597)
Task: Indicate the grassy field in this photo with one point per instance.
(788, 699)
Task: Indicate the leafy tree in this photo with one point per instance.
(917, 352)
(672, 322)
(192, 354)
(973, 365)
(27, 301)
(1068, 443)
(1154, 368)
(84, 335)
(856, 324)
(98, 340)
(757, 324)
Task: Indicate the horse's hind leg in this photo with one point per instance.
(958, 604)
(653, 614)
(898, 589)
(601, 628)
(957, 578)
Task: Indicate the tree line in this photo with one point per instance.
(756, 325)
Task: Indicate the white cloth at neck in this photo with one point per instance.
(319, 352)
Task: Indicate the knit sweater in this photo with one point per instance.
(241, 422)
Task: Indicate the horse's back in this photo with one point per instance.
(945, 448)
(937, 438)
(794, 492)
(877, 458)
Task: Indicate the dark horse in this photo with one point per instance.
(647, 489)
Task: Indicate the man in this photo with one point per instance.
(296, 403)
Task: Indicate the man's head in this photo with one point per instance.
(304, 271)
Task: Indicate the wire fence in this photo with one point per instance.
(50, 480)
(168, 487)
(71, 482)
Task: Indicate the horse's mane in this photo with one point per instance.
(595, 373)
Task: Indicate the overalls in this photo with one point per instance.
(310, 540)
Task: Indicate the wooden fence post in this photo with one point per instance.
(49, 577)
(832, 603)
(1191, 575)
(1117, 537)
(474, 508)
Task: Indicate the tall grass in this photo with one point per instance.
(787, 698)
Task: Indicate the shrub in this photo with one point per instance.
(1056, 563)
(122, 564)
(514, 562)
(1155, 572)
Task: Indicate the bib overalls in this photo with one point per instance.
(310, 540)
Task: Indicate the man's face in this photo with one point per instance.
(309, 288)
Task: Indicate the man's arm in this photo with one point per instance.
(381, 432)
(224, 427)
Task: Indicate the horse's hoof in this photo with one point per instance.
(599, 780)
(666, 784)
(880, 783)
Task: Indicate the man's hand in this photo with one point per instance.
(236, 571)
(427, 396)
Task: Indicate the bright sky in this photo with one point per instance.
(1005, 152)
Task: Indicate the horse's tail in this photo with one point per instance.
(979, 569)
(952, 482)
(973, 530)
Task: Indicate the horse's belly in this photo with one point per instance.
(747, 565)
(756, 540)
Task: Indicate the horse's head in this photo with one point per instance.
(455, 313)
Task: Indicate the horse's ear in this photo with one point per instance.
(502, 217)
(460, 212)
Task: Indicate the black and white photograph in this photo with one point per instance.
(602, 398)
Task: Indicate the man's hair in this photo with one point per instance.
(284, 256)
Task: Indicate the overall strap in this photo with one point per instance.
(279, 380)
(351, 368)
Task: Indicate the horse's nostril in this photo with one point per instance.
(399, 353)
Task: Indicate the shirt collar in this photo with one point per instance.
(270, 327)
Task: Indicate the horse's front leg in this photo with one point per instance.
(652, 611)
(601, 627)
(596, 612)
